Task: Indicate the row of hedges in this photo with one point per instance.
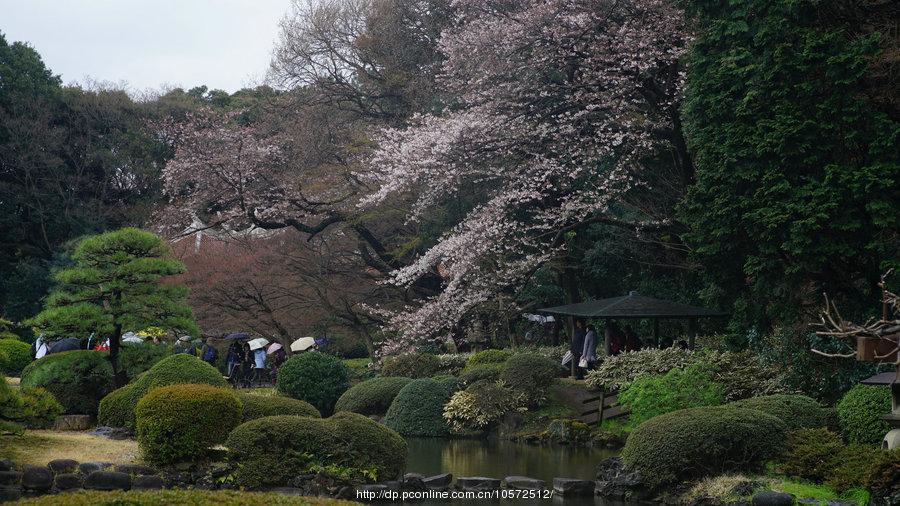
(272, 450)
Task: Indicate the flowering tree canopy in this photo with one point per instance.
(557, 106)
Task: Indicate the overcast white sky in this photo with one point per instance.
(223, 44)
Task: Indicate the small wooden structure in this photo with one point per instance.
(607, 407)
(636, 306)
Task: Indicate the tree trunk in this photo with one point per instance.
(114, 345)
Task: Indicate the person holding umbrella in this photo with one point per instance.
(277, 357)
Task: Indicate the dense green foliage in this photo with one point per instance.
(172, 370)
(78, 379)
(860, 412)
(651, 396)
(796, 166)
(884, 475)
(797, 411)
(10, 403)
(411, 365)
(820, 456)
(114, 285)
(488, 357)
(39, 408)
(486, 372)
(371, 397)
(136, 358)
(418, 409)
(258, 406)
(314, 377)
(481, 405)
(275, 449)
(530, 375)
(14, 356)
(179, 423)
(693, 443)
(619, 371)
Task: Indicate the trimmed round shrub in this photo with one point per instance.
(275, 449)
(418, 409)
(692, 443)
(135, 358)
(810, 452)
(487, 357)
(377, 450)
(258, 406)
(411, 365)
(179, 423)
(172, 370)
(39, 408)
(860, 411)
(371, 397)
(797, 411)
(480, 406)
(78, 379)
(14, 356)
(314, 377)
(10, 402)
(530, 374)
(486, 372)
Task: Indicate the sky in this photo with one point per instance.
(149, 44)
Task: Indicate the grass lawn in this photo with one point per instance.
(42, 446)
(179, 497)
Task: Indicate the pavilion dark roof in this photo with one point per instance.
(632, 305)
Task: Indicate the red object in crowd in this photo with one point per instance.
(102, 346)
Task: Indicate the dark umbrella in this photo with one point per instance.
(65, 344)
(237, 335)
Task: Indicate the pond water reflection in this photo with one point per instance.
(497, 459)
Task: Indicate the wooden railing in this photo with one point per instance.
(605, 407)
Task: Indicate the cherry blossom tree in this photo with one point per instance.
(558, 105)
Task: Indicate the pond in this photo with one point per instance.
(496, 458)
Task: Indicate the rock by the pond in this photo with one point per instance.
(413, 482)
(107, 480)
(117, 433)
(36, 478)
(572, 486)
(10, 494)
(10, 478)
(146, 482)
(6, 465)
(524, 483)
(438, 481)
(136, 469)
(89, 467)
(477, 483)
(770, 498)
(72, 422)
(63, 466)
(616, 482)
(68, 481)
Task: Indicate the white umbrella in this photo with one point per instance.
(303, 344)
(273, 348)
(132, 339)
(258, 343)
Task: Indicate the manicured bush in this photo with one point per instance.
(810, 453)
(172, 370)
(531, 375)
(78, 379)
(370, 446)
(651, 396)
(275, 449)
(743, 374)
(884, 475)
(14, 356)
(418, 409)
(797, 411)
(10, 402)
(8, 428)
(620, 370)
(411, 365)
(258, 406)
(860, 411)
(371, 397)
(179, 423)
(135, 358)
(487, 357)
(314, 377)
(851, 466)
(693, 443)
(451, 363)
(39, 408)
(180, 497)
(486, 372)
(481, 405)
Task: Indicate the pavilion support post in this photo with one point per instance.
(656, 332)
(691, 332)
